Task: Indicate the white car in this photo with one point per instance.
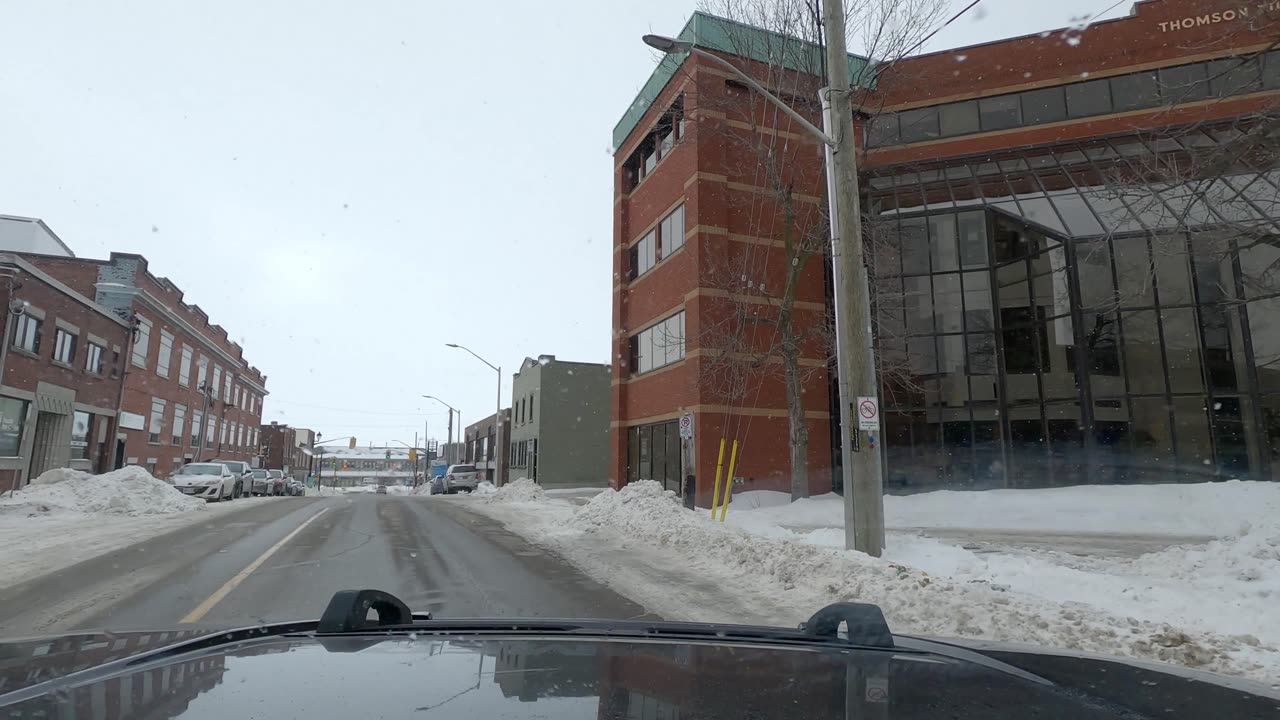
(461, 477)
(211, 481)
(262, 482)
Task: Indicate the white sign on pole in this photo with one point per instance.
(686, 427)
(868, 412)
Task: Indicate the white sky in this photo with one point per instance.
(348, 187)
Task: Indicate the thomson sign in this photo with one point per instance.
(1243, 12)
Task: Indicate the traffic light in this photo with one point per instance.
(413, 455)
(388, 455)
(351, 444)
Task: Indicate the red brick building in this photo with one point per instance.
(62, 375)
(1062, 276)
(189, 394)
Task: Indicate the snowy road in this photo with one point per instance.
(283, 560)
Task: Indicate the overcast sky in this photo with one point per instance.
(348, 186)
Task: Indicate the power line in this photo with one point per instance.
(955, 17)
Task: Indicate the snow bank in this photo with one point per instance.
(128, 491)
(485, 488)
(785, 580)
(522, 490)
(1211, 509)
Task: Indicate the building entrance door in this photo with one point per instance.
(49, 428)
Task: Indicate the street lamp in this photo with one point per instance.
(450, 459)
(497, 417)
(855, 362)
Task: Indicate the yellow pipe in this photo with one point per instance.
(715, 498)
(728, 481)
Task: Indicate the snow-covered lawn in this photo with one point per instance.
(1213, 606)
(64, 517)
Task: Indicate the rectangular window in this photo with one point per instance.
(26, 336)
(217, 380)
(222, 432)
(1088, 98)
(157, 420)
(226, 388)
(671, 231)
(93, 358)
(13, 415)
(1135, 91)
(179, 421)
(1271, 70)
(184, 366)
(1234, 76)
(959, 118)
(919, 124)
(64, 347)
(1184, 83)
(202, 371)
(165, 356)
(658, 345)
(1022, 353)
(882, 130)
(197, 418)
(209, 429)
(141, 344)
(643, 254)
(531, 405)
(1044, 106)
(998, 113)
(80, 424)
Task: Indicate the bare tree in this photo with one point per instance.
(756, 329)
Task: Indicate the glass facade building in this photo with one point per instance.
(1094, 312)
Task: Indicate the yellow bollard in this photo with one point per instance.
(728, 481)
(715, 498)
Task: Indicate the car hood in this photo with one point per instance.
(544, 675)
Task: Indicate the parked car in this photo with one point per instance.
(296, 488)
(437, 485)
(211, 481)
(277, 482)
(382, 490)
(243, 473)
(461, 477)
(261, 482)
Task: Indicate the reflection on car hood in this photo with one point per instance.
(480, 676)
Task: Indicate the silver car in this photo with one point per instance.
(262, 483)
(461, 477)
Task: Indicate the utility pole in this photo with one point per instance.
(863, 486)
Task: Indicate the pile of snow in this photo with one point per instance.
(485, 488)
(128, 491)
(784, 575)
(522, 490)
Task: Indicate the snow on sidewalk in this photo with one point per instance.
(65, 516)
(682, 565)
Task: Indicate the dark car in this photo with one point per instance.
(409, 665)
(382, 490)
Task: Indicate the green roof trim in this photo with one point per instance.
(734, 38)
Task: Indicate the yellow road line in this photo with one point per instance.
(203, 608)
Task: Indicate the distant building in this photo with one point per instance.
(287, 449)
(30, 235)
(479, 440)
(560, 422)
(361, 465)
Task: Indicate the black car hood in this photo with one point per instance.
(484, 675)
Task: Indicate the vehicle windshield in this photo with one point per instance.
(200, 470)
(692, 310)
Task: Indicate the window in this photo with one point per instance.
(1271, 69)
(643, 254)
(1234, 76)
(1184, 83)
(184, 366)
(222, 432)
(217, 380)
(197, 418)
(165, 356)
(13, 415)
(157, 420)
(202, 371)
(64, 347)
(26, 336)
(658, 345)
(671, 231)
(531, 406)
(1132, 92)
(93, 358)
(141, 343)
(209, 429)
(998, 113)
(1044, 106)
(226, 388)
(883, 130)
(959, 118)
(239, 435)
(179, 420)
(919, 124)
(653, 453)
(1088, 98)
(1021, 354)
(80, 424)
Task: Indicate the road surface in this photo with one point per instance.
(283, 560)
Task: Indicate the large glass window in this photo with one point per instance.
(1234, 76)
(81, 422)
(1184, 83)
(883, 130)
(1043, 106)
(1271, 70)
(653, 453)
(959, 118)
(919, 124)
(998, 113)
(1088, 98)
(13, 415)
(658, 345)
(1135, 91)
(141, 342)
(671, 231)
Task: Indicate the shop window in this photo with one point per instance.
(81, 422)
(13, 416)
(1088, 98)
(959, 118)
(1135, 91)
